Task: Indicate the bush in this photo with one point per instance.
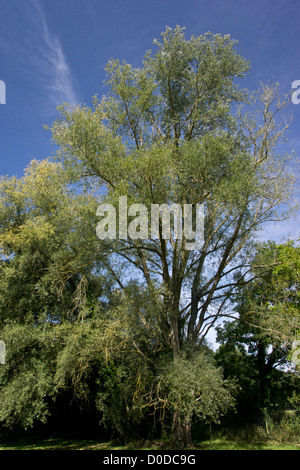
(288, 430)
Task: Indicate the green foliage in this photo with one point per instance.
(192, 387)
(121, 395)
(167, 132)
(48, 247)
(43, 362)
(269, 304)
(280, 314)
(256, 347)
(26, 378)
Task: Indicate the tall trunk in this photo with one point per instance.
(174, 324)
(261, 359)
(181, 434)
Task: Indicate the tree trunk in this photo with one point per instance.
(174, 326)
(261, 360)
(181, 434)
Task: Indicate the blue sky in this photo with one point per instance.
(55, 51)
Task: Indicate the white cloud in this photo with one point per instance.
(50, 61)
(281, 231)
(41, 57)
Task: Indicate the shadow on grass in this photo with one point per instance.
(47, 444)
(213, 444)
(69, 444)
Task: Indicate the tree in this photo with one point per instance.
(257, 364)
(48, 264)
(87, 366)
(273, 298)
(265, 326)
(191, 387)
(168, 132)
(47, 279)
(65, 327)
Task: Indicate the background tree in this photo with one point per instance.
(72, 341)
(274, 296)
(48, 250)
(50, 283)
(256, 347)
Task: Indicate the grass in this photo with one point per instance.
(224, 444)
(212, 444)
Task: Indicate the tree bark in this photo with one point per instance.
(181, 434)
(261, 357)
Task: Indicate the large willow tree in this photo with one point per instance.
(172, 131)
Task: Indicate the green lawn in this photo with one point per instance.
(224, 444)
(214, 444)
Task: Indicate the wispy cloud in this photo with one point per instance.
(280, 232)
(49, 61)
(35, 53)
